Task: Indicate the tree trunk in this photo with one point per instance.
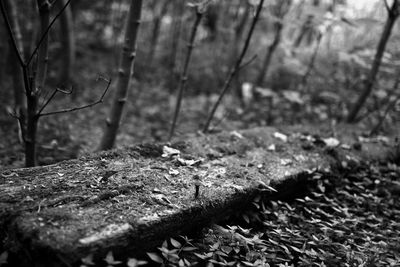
(31, 130)
(310, 66)
(176, 33)
(42, 60)
(125, 71)
(17, 78)
(393, 14)
(238, 33)
(156, 31)
(184, 78)
(68, 43)
(268, 56)
(392, 98)
(34, 91)
(279, 11)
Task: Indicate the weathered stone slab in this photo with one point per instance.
(129, 200)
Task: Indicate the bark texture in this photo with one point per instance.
(125, 72)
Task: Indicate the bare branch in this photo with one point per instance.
(46, 32)
(77, 108)
(10, 33)
(248, 62)
(65, 92)
(387, 6)
(48, 101)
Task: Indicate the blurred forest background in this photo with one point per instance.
(308, 61)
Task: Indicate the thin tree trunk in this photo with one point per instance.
(31, 130)
(38, 85)
(235, 69)
(389, 107)
(183, 80)
(68, 43)
(270, 51)
(125, 71)
(279, 11)
(156, 31)
(17, 78)
(238, 33)
(311, 63)
(176, 33)
(42, 60)
(393, 14)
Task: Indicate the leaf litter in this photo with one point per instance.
(346, 219)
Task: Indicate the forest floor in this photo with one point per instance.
(148, 112)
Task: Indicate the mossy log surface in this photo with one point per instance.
(127, 201)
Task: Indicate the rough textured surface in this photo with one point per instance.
(129, 200)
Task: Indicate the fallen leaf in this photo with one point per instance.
(169, 152)
(345, 146)
(88, 260)
(110, 259)
(154, 257)
(293, 96)
(132, 262)
(188, 162)
(331, 142)
(236, 134)
(281, 136)
(286, 162)
(173, 172)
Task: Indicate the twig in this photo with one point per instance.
(387, 5)
(235, 68)
(183, 80)
(248, 62)
(310, 66)
(77, 108)
(46, 32)
(51, 97)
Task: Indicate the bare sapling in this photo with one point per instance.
(34, 77)
(279, 11)
(17, 78)
(125, 72)
(178, 9)
(311, 63)
(155, 32)
(239, 28)
(68, 43)
(393, 13)
(184, 73)
(392, 99)
(236, 67)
